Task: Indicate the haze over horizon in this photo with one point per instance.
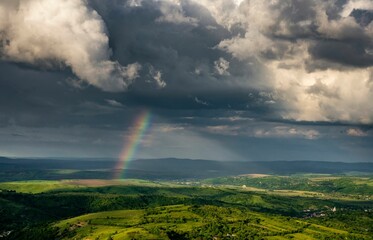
(243, 80)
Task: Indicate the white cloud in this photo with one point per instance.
(173, 13)
(309, 88)
(62, 33)
(157, 76)
(225, 12)
(356, 4)
(355, 132)
(325, 95)
(167, 128)
(114, 103)
(238, 2)
(223, 129)
(134, 3)
(282, 131)
(76, 83)
(251, 45)
(222, 66)
(199, 101)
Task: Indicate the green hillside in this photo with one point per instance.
(361, 187)
(137, 209)
(196, 222)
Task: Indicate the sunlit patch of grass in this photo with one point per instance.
(148, 223)
(36, 186)
(66, 171)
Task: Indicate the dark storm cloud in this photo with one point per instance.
(346, 53)
(35, 98)
(209, 68)
(363, 17)
(179, 42)
(184, 53)
(178, 50)
(301, 21)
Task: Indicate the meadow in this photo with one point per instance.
(238, 207)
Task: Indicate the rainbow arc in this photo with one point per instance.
(132, 142)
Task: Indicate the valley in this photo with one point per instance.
(301, 206)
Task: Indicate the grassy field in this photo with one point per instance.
(36, 186)
(191, 222)
(39, 186)
(212, 209)
(327, 186)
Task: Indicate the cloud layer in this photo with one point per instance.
(299, 60)
(318, 54)
(54, 34)
(240, 75)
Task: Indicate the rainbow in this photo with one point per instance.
(132, 142)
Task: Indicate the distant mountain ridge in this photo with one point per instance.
(202, 168)
(165, 168)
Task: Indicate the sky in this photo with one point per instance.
(233, 80)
